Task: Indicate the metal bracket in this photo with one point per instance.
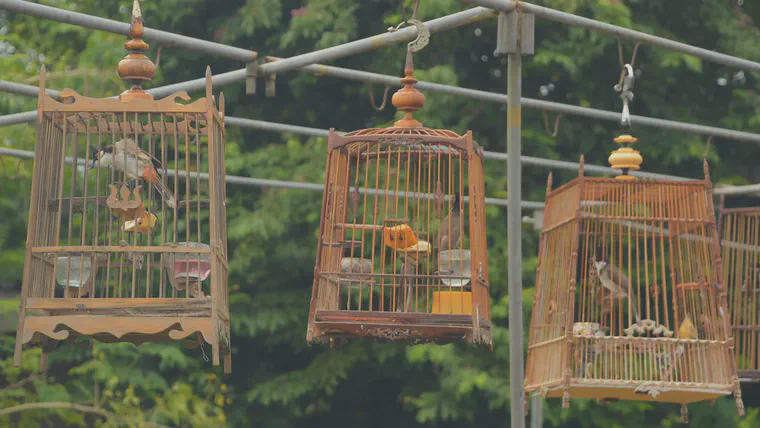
(507, 33)
(251, 70)
(269, 79)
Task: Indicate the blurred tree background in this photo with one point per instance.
(278, 381)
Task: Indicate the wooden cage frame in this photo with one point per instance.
(740, 241)
(565, 361)
(138, 315)
(326, 320)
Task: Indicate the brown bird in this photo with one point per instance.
(615, 281)
(449, 230)
(128, 157)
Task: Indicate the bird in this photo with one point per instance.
(126, 156)
(142, 224)
(449, 230)
(615, 281)
(687, 330)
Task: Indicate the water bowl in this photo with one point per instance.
(73, 271)
(454, 263)
(188, 268)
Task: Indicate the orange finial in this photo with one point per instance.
(136, 68)
(408, 98)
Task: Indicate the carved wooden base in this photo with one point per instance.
(413, 328)
(45, 330)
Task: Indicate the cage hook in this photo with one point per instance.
(372, 98)
(549, 132)
(423, 33)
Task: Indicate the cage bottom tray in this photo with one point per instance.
(749, 375)
(136, 320)
(400, 326)
(667, 394)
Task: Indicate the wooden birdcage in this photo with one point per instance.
(628, 301)
(127, 226)
(399, 258)
(740, 231)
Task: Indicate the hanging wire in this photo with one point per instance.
(158, 57)
(633, 56)
(549, 132)
(372, 98)
(707, 147)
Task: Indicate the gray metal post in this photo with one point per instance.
(512, 41)
(536, 412)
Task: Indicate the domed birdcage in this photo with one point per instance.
(127, 233)
(399, 257)
(740, 234)
(629, 302)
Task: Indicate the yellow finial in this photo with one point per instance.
(625, 158)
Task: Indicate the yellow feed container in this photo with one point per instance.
(452, 302)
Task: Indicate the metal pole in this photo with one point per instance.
(536, 412)
(116, 27)
(579, 21)
(29, 90)
(33, 91)
(262, 182)
(381, 79)
(363, 76)
(386, 39)
(514, 237)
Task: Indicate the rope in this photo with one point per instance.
(551, 133)
(372, 98)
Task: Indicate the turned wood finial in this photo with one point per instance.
(136, 67)
(581, 165)
(408, 99)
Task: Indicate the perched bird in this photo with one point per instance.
(449, 231)
(142, 224)
(615, 281)
(687, 330)
(127, 156)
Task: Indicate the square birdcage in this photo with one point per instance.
(399, 257)
(740, 241)
(127, 225)
(629, 303)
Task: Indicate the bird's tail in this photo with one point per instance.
(165, 192)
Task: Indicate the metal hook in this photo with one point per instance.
(423, 33)
(554, 133)
(372, 98)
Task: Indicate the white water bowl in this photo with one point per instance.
(454, 263)
(73, 271)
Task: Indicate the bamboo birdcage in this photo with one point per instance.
(118, 247)
(389, 265)
(740, 235)
(663, 334)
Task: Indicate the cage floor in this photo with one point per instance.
(664, 394)
(185, 307)
(401, 326)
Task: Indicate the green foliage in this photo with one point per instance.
(277, 380)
